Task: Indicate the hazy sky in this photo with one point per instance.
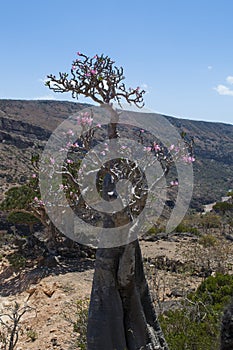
(180, 51)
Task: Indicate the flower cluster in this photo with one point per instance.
(174, 183)
(85, 119)
(188, 159)
(38, 201)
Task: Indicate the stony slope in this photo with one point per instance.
(25, 125)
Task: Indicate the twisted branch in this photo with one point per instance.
(97, 78)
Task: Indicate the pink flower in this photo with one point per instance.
(142, 130)
(63, 149)
(87, 74)
(33, 176)
(172, 147)
(52, 161)
(70, 132)
(36, 199)
(89, 121)
(174, 183)
(98, 125)
(79, 53)
(93, 71)
(147, 149)
(63, 187)
(69, 161)
(74, 67)
(156, 147)
(75, 145)
(83, 120)
(188, 159)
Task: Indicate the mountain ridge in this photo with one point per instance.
(27, 124)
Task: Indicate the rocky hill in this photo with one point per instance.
(213, 170)
(26, 125)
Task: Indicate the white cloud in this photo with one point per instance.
(224, 90)
(229, 79)
(210, 67)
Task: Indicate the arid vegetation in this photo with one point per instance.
(189, 270)
(189, 274)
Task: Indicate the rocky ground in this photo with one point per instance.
(52, 293)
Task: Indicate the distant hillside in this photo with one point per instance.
(213, 170)
(25, 125)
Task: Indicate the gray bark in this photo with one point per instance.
(121, 314)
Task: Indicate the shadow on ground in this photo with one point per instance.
(12, 282)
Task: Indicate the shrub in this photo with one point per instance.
(208, 240)
(196, 324)
(209, 221)
(23, 219)
(32, 335)
(18, 197)
(17, 261)
(77, 316)
(155, 230)
(182, 228)
(80, 326)
(223, 207)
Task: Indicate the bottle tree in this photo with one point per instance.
(121, 313)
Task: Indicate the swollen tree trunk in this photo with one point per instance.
(121, 314)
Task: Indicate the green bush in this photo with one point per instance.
(154, 230)
(196, 325)
(32, 335)
(215, 291)
(182, 228)
(208, 240)
(209, 221)
(183, 331)
(80, 326)
(223, 207)
(23, 219)
(18, 198)
(17, 261)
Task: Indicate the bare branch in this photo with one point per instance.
(97, 78)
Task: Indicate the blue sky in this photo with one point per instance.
(181, 51)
